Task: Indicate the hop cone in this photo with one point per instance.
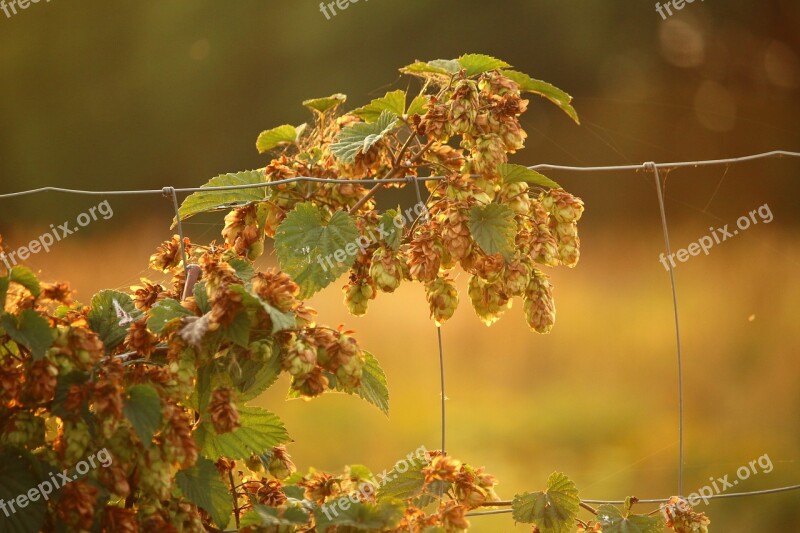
(442, 298)
(387, 269)
(488, 299)
(540, 308)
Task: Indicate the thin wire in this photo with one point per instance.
(679, 164)
(661, 500)
(441, 379)
(657, 178)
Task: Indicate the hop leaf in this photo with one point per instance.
(269, 139)
(475, 64)
(542, 88)
(493, 228)
(303, 241)
(362, 136)
(203, 486)
(143, 409)
(31, 330)
(393, 102)
(552, 510)
(613, 521)
(322, 105)
(203, 201)
(517, 173)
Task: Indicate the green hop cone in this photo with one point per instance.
(488, 153)
(77, 437)
(24, 430)
(488, 299)
(515, 195)
(464, 107)
(357, 296)
(155, 474)
(544, 246)
(562, 205)
(442, 298)
(387, 269)
(517, 277)
(566, 234)
(540, 308)
(301, 356)
(352, 361)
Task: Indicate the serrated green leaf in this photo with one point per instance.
(215, 200)
(268, 517)
(360, 137)
(24, 276)
(269, 139)
(405, 485)
(203, 486)
(515, 173)
(445, 67)
(280, 320)
(260, 431)
(164, 312)
(418, 105)
(393, 102)
(395, 234)
(374, 387)
(143, 409)
(326, 103)
(17, 477)
(552, 510)
(542, 88)
(303, 242)
(613, 521)
(238, 331)
(493, 227)
(30, 330)
(475, 64)
(104, 317)
(360, 516)
(258, 375)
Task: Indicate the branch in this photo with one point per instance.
(389, 175)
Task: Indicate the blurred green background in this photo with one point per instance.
(142, 95)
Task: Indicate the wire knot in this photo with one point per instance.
(168, 191)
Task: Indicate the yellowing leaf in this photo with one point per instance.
(475, 64)
(393, 102)
(269, 139)
(322, 105)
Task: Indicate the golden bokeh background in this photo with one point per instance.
(128, 96)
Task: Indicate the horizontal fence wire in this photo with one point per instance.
(644, 166)
(170, 192)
